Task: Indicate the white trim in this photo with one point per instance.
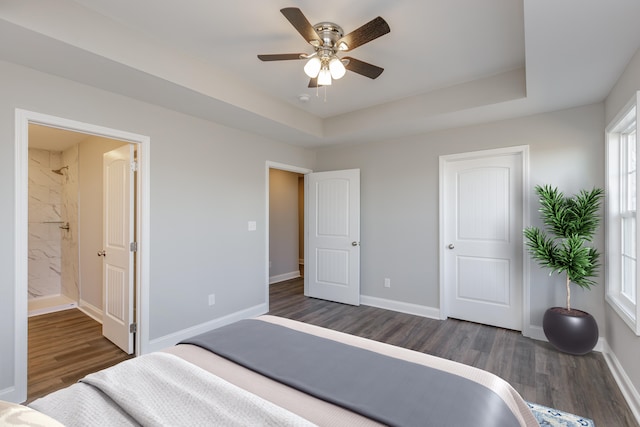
(628, 311)
(7, 393)
(172, 339)
(290, 168)
(52, 309)
(18, 393)
(49, 304)
(402, 307)
(22, 120)
(282, 277)
(526, 259)
(523, 150)
(91, 310)
(535, 332)
(625, 384)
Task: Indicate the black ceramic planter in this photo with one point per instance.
(573, 332)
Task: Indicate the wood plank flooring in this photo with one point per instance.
(64, 347)
(67, 345)
(578, 384)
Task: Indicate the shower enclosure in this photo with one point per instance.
(53, 225)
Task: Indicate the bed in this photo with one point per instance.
(276, 371)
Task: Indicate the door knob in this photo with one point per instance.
(355, 243)
(451, 246)
(102, 253)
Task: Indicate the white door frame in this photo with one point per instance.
(22, 120)
(289, 168)
(523, 151)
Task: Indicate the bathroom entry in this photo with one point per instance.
(67, 224)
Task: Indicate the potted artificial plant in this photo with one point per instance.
(570, 224)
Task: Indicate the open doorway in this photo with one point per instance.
(332, 249)
(66, 222)
(285, 223)
(26, 123)
(65, 215)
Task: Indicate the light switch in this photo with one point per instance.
(252, 226)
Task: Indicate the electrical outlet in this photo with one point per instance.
(387, 282)
(212, 299)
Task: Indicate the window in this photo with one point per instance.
(622, 216)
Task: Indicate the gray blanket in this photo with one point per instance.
(383, 388)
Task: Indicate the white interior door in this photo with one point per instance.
(117, 271)
(482, 220)
(332, 258)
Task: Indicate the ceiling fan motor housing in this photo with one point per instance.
(330, 33)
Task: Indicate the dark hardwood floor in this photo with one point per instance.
(578, 384)
(64, 347)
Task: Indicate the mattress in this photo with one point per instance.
(319, 411)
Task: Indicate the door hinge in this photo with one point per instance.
(133, 328)
(134, 166)
(133, 246)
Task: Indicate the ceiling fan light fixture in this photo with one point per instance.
(324, 77)
(336, 67)
(328, 40)
(312, 67)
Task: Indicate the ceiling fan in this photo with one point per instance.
(328, 40)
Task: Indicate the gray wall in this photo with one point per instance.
(399, 198)
(207, 181)
(283, 222)
(199, 214)
(624, 343)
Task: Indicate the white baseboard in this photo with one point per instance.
(91, 310)
(50, 304)
(402, 307)
(9, 394)
(535, 333)
(627, 388)
(283, 277)
(174, 338)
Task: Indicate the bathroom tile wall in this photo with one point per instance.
(69, 243)
(45, 213)
(53, 202)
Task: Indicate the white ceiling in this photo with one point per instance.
(423, 52)
(446, 64)
(53, 139)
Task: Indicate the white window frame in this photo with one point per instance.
(616, 210)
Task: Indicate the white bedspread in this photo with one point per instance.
(160, 389)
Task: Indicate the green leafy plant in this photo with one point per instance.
(571, 223)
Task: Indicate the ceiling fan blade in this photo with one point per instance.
(313, 82)
(280, 57)
(369, 31)
(363, 68)
(300, 23)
